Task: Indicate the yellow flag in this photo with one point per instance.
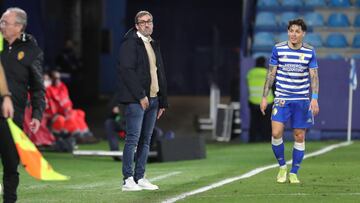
(31, 158)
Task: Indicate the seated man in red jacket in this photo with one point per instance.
(44, 137)
(65, 119)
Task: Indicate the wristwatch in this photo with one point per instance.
(8, 94)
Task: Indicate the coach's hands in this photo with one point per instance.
(314, 107)
(263, 105)
(160, 112)
(144, 102)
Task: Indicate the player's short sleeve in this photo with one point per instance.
(313, 61)
(274, 58)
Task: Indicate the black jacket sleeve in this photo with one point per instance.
(163, 102)
(37, 89)
(127, 69)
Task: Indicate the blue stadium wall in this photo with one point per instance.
(48, 24)
(113, 30)
(35, 22)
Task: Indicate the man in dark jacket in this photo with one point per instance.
(22, 60)
(142, 88)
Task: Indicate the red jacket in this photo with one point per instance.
(58, 99)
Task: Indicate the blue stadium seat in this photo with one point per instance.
(336, 40)
(265, 21)
(339, 3)
(356, 41)
(338, 20)
(282, 37)
(313, 39)
(334, 56)
(357, 3)
(267, 4)
(314, 19)
(357, 20)
(292, 3)
(315, 3)
(263, 41)
(285, 17)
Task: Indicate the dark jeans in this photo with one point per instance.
(112, 134)
(260, 125)
(139, 128)
(10, 162)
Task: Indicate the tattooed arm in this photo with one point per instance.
(270, 78)
(314, 78)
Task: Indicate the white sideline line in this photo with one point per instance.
(89, 186)
(164, 176)
(251, 173)
(288, 194)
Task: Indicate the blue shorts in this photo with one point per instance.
(297, 110)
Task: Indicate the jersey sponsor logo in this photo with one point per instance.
(293, 67)
(20, 55)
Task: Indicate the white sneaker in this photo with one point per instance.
(146, 185)
(130, 185)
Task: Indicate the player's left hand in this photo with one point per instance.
(263, 105)
(34, 125)
(160, 112)
(314, 107)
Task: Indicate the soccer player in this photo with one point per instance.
(293, 68)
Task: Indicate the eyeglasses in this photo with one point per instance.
(5, 24)
(142, 23)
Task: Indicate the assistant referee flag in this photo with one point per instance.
(31, 158)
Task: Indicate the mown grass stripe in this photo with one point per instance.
(251, 173)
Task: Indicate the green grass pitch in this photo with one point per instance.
(331, 177)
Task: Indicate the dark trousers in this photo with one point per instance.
(260, 125)
(10, 162)
(139, 128)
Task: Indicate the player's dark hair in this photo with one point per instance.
(300, 22)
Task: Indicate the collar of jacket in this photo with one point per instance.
(132, 34)
(24, 38)
(145, 39)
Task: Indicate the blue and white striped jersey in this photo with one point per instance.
(292, 80)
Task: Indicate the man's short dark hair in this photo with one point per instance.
(260, 61)
(300, 22)
(141, 14)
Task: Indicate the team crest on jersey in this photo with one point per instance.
(302, 57)
(20, 55)
(274, 112)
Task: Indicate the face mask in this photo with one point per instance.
(47, 83)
